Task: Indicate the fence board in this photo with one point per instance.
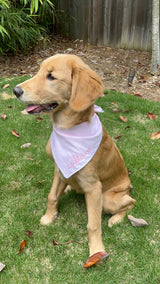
(116, 23)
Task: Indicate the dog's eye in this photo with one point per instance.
(50, 77)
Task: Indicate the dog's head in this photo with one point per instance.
(62, 81)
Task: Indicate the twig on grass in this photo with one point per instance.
(65, 243)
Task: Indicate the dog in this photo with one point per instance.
(67, 88)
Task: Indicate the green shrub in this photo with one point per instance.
(22, 23)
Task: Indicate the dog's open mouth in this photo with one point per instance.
(37, 109)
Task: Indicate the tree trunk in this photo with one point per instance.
(155, 64)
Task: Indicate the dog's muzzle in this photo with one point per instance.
(18, 91)
(34, 108)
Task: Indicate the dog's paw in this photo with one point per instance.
(68, 188)
(116, 219)
(47, 220)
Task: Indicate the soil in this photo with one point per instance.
(112, 64)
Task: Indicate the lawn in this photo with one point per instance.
(26, 178)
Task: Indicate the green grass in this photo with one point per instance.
(134, 252)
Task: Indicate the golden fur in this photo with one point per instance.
(104, 180)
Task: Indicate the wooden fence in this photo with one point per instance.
(116, 23)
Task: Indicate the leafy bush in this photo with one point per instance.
(22, 23)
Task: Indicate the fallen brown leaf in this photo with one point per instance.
(23, 72)
(127, 127)
(54, 242)
(41, 181)
(29, 234)
(24, 112)
(3, 116)
(155, 135)
(6, 86)
(96, 258)
(39, 118)
(14, 132)
(116, 110)
(157, 84)
(30, 158)
(2, 266)
(22, 246)
(137, 95)
(142, 81)
(127, 110)
(106, 92)
(27, 145)
(137, 222)
(151, 115)
(118, 137)
(124, 119)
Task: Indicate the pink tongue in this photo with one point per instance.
(31, 107)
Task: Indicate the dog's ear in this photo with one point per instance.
(86, 88)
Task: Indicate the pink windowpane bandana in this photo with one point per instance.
(73, 148)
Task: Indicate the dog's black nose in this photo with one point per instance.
(18, 91)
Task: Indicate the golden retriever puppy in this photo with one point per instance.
(85, 156)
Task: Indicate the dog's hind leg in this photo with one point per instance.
(117, 204)
(56, 191)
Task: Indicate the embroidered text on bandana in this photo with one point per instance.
(72, 149)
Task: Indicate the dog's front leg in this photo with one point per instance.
(94, 208)
(56, 191)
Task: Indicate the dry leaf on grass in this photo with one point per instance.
(24, 112)
(5, 86)
(155, 135)
(137, 222)
(151, 115)
(65, 243)
(27, 145)
(3, 116)
(22, 246)
(23, 72)
(29, 234)
(138, 95)
(127, 110)
(39, 118)
(14, 132)
(54, 242)
(118, 137)
(30, 158)
(2, 266)
(116, 110)
(96, 258)
(127, 127)
(41, 181)
(124, 119)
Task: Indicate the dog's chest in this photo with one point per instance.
(73, 149)
(72, 181)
